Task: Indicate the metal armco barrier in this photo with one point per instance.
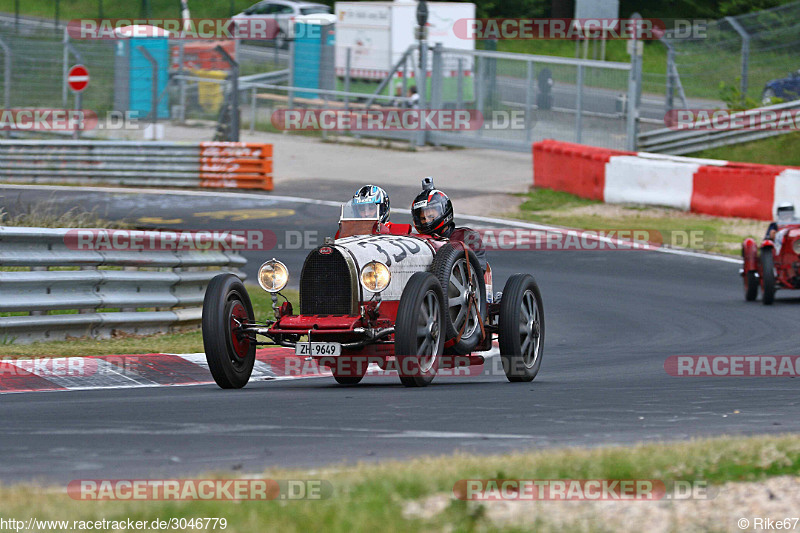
(121, 290)
(678, 142)
(209, 164)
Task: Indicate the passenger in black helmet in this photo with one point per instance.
(432, 214)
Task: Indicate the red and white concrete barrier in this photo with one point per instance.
(709, 186)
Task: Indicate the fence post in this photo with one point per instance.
(460, 84)
(290, 103)
(422, 87)
(234, 77)
(579, 105)
(530, 88)
(253, 110)
(436, 77)
(745, 54)
(7, 78)
(670, 98)
(181, 82)
(634, 86)
(347, 63)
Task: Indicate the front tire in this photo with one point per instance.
(767, 276)
(419, 330)
(230, 353)
(521, 328)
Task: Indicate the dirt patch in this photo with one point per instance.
(488, 205)
(775, 498)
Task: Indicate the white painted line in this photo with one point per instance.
(489, 220)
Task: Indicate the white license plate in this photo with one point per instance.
(318, 348)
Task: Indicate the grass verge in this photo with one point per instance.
(182, 342)
(377, 497)
(778, 150)
(675, 228)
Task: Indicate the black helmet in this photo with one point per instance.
(370, 195)
(432, 211)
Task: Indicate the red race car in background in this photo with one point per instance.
(772, 265)
(378, 294)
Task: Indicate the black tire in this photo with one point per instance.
(350, 371)
(521, 328)
(450, 257)
(750, 286)
(230, 356)
(419, 332)
(767, 276)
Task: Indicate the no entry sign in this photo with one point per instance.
(78, 78)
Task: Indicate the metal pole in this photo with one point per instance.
(745, 54)
(78, 105)
(529, 103)
(460, 86)
(422, 83)
(64, 70)
(480, 87)
(579, 106)
(99, 9)
(290, 103)
(181, 82)
(253, 111)
(670, 77)
(6, 78)
(436, 77)
(633, 88)
(347, 63)
(234, 134)
(55, 21)
(16, 15)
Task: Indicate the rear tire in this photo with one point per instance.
(767, 276)
(230, 354)
(750, 286)
(419, 330)
(521, 328)
(449, 267)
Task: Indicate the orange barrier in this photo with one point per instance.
(236, 165)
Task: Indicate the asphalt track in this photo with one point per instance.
(613, 317)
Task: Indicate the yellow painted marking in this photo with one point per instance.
(246, 214)
(159, 220)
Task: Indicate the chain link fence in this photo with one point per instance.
(736, 58)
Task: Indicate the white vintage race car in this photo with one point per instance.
(379, 294)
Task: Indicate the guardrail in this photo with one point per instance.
(97, 291)
(677, 142)
(207, 164)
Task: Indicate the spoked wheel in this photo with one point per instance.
(767, 276)
(521, 328)
(750, 285)
(419, 333)
(231, 354)
(450, 268)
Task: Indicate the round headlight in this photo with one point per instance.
(796, 246)
(375, 276)
(273, 276)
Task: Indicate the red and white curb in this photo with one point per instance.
(148, 370)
